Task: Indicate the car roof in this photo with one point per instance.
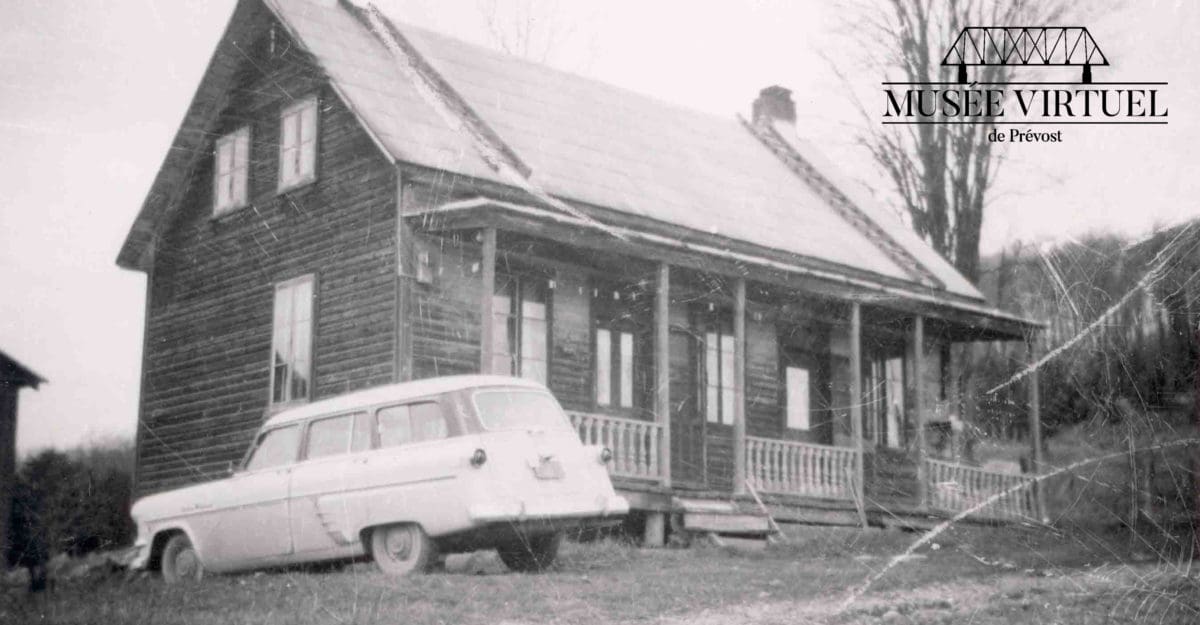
(397, 392)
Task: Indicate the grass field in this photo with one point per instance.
(976, 575)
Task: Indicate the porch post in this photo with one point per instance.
(918, 404)
(487, 291)
(739, 387)
(662, 367)
(856, 400)
(1035, 425)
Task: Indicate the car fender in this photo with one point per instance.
(176, 525)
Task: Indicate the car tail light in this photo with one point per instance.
(478, 458)
(605, 455)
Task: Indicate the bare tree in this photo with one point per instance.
(531, 29)
(941, 173)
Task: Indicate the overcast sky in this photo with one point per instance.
(91, 94)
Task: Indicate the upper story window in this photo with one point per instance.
(231, 170)
(298, 144)
(291, 360)
(521, 327)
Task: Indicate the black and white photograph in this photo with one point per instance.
(525, 312)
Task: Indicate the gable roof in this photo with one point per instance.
(437, 102)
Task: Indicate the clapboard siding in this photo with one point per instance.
(571, 368)
(446, 315)
(208, 337)
(764, 386)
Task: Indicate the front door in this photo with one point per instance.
(687, 420)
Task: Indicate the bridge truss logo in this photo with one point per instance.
(1045, 46)
(1020, 99)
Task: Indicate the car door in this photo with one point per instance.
(250, 517)
(411, 474)
(324, 481)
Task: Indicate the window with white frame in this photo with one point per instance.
(614, 368)
(291, 343)
(521, 327)
(298, 144)
(231, 170)
(797, 381)
(718, 377)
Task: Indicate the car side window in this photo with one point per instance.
(411, 423)
(338, 435)
(275, 448)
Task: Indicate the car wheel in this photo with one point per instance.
(402, 549)
(180, 562)
(533, 554)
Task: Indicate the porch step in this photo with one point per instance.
(723, 518)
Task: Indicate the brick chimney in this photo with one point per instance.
(774, 104)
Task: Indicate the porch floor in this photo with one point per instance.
(899, 513)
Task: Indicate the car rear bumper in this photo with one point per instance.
(576, 511)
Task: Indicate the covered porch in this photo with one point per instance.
(713, 373)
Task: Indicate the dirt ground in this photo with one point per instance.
(967, 575)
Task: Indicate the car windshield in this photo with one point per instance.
(519, 410)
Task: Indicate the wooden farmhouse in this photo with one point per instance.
(351, 201)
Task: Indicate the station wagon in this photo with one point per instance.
(400, 473)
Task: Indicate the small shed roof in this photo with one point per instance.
(13, 373)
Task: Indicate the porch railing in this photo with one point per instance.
(635, 445)
(956, 487)
(794, 468)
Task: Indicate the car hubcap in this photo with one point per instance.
(399, 543)
(186, 564)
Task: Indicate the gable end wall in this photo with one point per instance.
(208, 341)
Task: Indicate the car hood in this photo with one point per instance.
(175, 502)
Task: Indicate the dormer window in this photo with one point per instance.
(298, 144)
(230, 170)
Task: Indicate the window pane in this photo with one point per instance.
(329, 437)
(292, 341)
(394, 425)
(712, 372)
(603, 367)
(519, 410)
(282, 344)
(279, 380)
(797, 398)
(307, 160)
(308, 122)
(237, 188)
(727, 395)
(224, 155)
(288, 126)
(361, 440)
(275, 448)
(626, 370)
(533, 347)
(428, 423)
(308, 139)
(502, 339)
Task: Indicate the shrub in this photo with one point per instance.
(72, 503)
